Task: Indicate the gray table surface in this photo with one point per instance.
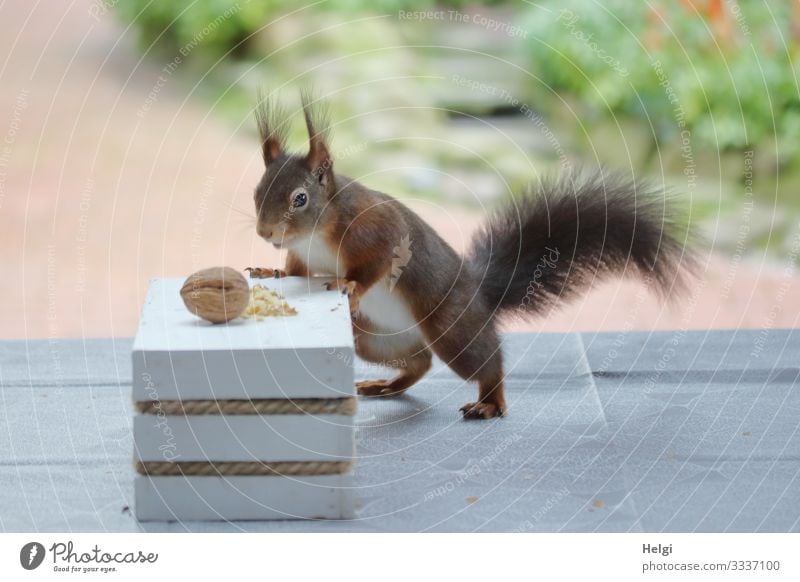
(667, 431)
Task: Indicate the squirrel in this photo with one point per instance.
(411, 295)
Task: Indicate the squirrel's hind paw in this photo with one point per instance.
(378, 388)
(481, 410)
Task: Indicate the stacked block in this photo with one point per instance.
(245, 420)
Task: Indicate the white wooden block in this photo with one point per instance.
(282, 437)
(243, 498)
(310, 355)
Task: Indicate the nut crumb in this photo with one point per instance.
(266, 303)
(471, 499)
(598, 503)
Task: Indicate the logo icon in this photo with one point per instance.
(402, 255)
(31, 555)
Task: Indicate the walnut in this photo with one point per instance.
(218, 294)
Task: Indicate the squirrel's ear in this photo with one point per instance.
(319, 159)
(272, 126)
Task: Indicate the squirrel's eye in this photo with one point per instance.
(299, 199)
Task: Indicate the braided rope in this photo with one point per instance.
(343, 406)
(164, 468)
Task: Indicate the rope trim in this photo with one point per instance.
(343, 406)
(164, 468)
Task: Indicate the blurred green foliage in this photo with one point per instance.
(731, 71)
(208, 29)
(218, 27)
(618, 82)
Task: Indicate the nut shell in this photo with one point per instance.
(218, 294)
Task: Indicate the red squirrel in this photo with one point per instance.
(412, 296)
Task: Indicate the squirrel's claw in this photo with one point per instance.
(481, 410)
(265, 272)
(378, 388)
(347, 288)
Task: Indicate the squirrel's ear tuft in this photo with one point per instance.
(272, 126)
(319, 159)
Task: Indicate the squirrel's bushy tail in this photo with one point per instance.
(552, 243)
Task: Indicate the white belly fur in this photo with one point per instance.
(387, 309)
(317, 255)
(384, 308)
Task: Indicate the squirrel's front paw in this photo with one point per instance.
(347, 288)
(265, 272)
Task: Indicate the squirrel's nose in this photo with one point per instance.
(264, 231)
